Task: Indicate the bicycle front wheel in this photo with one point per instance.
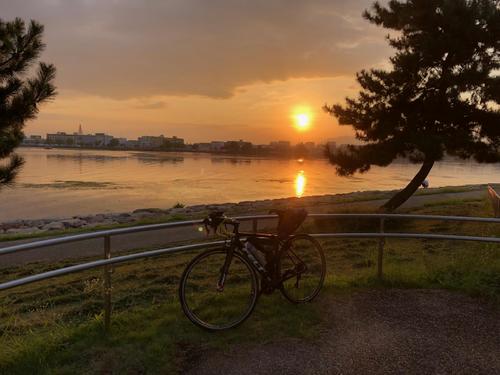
(209, 306)
(302, 267)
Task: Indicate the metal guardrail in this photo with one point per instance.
(108, 260)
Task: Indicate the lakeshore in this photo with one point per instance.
(368, 200)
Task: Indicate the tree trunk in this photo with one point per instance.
(403, 195)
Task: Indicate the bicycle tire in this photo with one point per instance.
(240, 261)
(282, 267)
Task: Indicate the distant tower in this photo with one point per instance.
(80, 131)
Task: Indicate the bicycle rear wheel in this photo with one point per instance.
(205, 304)
(302, 268)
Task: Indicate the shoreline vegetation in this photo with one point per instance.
(31, 228)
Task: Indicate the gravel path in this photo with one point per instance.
(380, 332)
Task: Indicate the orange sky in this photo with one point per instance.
(201, 70)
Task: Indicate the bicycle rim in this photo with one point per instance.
(302, 266)
(210, 308)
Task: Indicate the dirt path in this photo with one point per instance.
(169, 236)
(379, 332)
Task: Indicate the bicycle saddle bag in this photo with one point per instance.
(289, 221)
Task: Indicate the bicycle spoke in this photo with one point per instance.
(210, 306)
(302, 268)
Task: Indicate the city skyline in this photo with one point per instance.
(224, 70)
(80, 131)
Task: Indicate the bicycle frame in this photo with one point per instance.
(270, 276)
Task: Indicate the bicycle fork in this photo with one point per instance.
(224, 271)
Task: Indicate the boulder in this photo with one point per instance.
(73, 223)
(33, 223)
(124, 218)
(54, 225)
(198, 208)
(12, 224)
(21, 230)
(95, 218)
(148, 210)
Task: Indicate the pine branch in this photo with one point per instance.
(20, 96)
(9, 172)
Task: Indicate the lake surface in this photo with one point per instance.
(63, 183)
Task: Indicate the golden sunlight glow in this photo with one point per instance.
(300, 184)
(302, 118)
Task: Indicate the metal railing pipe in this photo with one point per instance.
(451, 237)
(103, 262)
(112, 232)
(146, 254)
(92, 235)
(410, 217)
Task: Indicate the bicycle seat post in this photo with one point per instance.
(236, 226)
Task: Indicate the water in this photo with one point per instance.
(63, 183)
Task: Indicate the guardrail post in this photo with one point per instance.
(254, 225)
(381, 244)
(107, 284)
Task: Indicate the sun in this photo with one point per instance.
(302, 118)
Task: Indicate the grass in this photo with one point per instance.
(58, 327)
(55, 326)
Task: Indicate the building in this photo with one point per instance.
(151, 141)
(205, 147)
(238, 146)
(175, 142)
(132, 143)
(76, 139)
(217, 146)
(33, 140)
(102, 139)
(310, 146)
(61, 138)
(122, 142)
(280, 145)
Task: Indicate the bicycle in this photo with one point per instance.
(219, 288)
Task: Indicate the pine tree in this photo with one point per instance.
(22, 88)
(440, 97)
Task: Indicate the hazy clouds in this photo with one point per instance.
(124, 48)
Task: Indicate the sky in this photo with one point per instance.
(201, 69)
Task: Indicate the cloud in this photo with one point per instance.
(129, 48)
(144, 104)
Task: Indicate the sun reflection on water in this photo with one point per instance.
(300, 184)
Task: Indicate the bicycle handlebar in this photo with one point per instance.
(215, 219)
